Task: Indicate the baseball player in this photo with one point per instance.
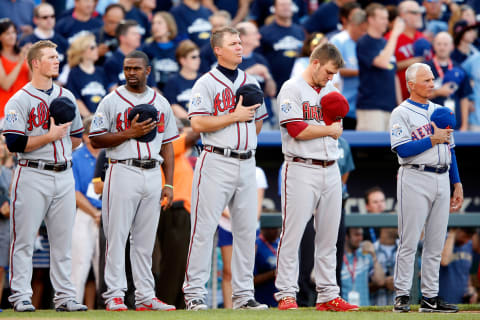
(310, 180)
(427, 167)
(133, 185)
(43, 187)
(224, 174)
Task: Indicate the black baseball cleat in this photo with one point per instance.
(252, 304)
(402, 304)
(436, 304)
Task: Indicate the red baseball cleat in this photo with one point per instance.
(337, 304)
(154, 305)
(287, 303)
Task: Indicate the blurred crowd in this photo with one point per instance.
(378, 42)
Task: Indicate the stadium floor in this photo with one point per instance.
(467, 312)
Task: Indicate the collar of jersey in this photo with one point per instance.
(418, 104)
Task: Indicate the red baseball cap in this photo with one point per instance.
(334, 107)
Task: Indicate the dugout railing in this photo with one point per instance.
(382, 220)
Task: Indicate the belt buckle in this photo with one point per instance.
(227, 152)
(309, 161)
(41, 165)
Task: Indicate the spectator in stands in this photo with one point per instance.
(218, 20)
(20, 12)
(173, 233)
(452, 86)
(281, 41)
(160, 48)
(376, 65)
(326, 18)
(179, 85)
(128, 37)
(44, 20)
(87, 218)
(374, 203)
(346, 42)
(464, 36)
(14, 72)
(255, 63)
(471, 68)
(411, 14)
(261, 11)
(360, 268)
(105, 36)
(386, 250)
(133, 13)
(464, 12)
(384, 241)
(192, 21)
(312, 41)
(87, 82)
(238, 9)
(266, 260)
(80, 21)
(455, 285)
(433, 19)
(147, 7)
(6, 172)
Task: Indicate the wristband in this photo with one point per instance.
(168, 186)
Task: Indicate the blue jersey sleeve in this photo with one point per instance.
(453, 171)
(412, 148)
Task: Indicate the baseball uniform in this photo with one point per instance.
(423, 197)
(310, 184)
(220, 180)
(131, 194)
(43, 188)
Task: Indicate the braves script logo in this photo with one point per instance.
(122, 122)
(312, 112)
(224, 102)
(38, 117)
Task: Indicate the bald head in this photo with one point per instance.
(443, 45)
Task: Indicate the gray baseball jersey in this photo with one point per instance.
(423, 198)
(213, 94)
(300, 102)
(307, 189)
(131, 197)
(112, 116)
(220, 181)
(409, 122)
(40, 195)
(27, 113)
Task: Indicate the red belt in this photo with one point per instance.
(323, 163)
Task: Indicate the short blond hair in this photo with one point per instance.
(77, 48)
(35, 51)
(216, 40)
(327, 52)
